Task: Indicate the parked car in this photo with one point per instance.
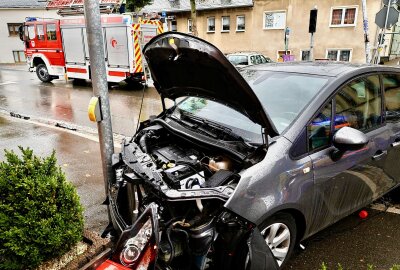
(242, 59)
(246, 165)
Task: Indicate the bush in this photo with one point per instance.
(40, 213)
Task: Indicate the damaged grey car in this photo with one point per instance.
(244, 166)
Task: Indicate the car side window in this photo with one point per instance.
(253, 60)
(358, 104)
(391, 83)
(319, 130)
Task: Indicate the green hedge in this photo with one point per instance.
(40, 213)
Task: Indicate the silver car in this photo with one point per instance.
(246, 165)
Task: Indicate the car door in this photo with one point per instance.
(357, 178)
(391, 84)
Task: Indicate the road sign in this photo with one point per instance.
(393, 17)
(163, 14)
(386, 2)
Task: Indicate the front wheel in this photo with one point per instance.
(43, 73)
(279, 232)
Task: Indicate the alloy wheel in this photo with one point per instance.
(277, 237)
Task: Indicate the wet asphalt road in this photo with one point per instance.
(352, 242)
(23, 93)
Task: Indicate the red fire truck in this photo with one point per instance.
(58, 47)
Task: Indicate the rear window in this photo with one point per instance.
(238, 59)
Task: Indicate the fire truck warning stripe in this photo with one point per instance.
(76, 70)
(117, 73)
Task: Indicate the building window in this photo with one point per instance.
(240, 23)
(13, 29)
(40, 31)
(19, 56)
(343, 16)
(189, 25)
(274, 20)
(211, 24)
(305, 55)
(339, 55)
(226, 24)
(51, 32)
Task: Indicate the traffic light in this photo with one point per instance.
(312, 28)
(381, 39)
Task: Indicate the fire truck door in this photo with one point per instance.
(117, 46)
(40, 38)
(74, 50)
(53, 44)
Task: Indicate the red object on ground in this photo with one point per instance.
(363, 214)
(110, 265)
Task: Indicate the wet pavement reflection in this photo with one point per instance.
(22, 92)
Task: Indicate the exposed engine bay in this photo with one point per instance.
(189, 181)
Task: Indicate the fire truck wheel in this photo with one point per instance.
(43, 73)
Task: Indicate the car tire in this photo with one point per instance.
(43, 73)
(280, 233)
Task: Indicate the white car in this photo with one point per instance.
(243, 59)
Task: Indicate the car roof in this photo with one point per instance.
(327, 68)
(245, 53)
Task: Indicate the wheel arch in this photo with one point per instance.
(301, 224)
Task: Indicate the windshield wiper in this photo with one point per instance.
(208, 123)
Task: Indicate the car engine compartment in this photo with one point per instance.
(188, 180)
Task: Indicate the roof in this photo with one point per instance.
(175, 6)
(22, 4)
(329, 68)
(245, 53)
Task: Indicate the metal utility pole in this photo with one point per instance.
(383, 33)
(366, 34)
(100, 86)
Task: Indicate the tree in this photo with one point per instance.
(133, 5)
(194, 17)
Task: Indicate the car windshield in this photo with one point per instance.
(283, 96)
(238, 59)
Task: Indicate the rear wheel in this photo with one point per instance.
(279, 233)
(43, 73)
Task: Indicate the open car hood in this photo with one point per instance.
(183, 65)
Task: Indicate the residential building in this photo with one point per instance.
(260, 25)
(12, 15)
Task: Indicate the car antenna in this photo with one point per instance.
(140, 110)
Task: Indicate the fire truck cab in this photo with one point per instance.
(43, 48)
(58, 47)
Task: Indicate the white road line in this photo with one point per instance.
(6, 83)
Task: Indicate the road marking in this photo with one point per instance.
(117, 143)
(6, 83)
(382, 207)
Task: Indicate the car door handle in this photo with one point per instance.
(379, 154)
(395, 144)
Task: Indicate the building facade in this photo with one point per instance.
(12, 15)
(261, 25)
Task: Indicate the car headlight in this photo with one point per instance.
(134, 246)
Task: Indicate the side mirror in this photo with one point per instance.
(21, 32)
(347, 139)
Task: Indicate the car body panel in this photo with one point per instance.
(183, 65)
(333, 189)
